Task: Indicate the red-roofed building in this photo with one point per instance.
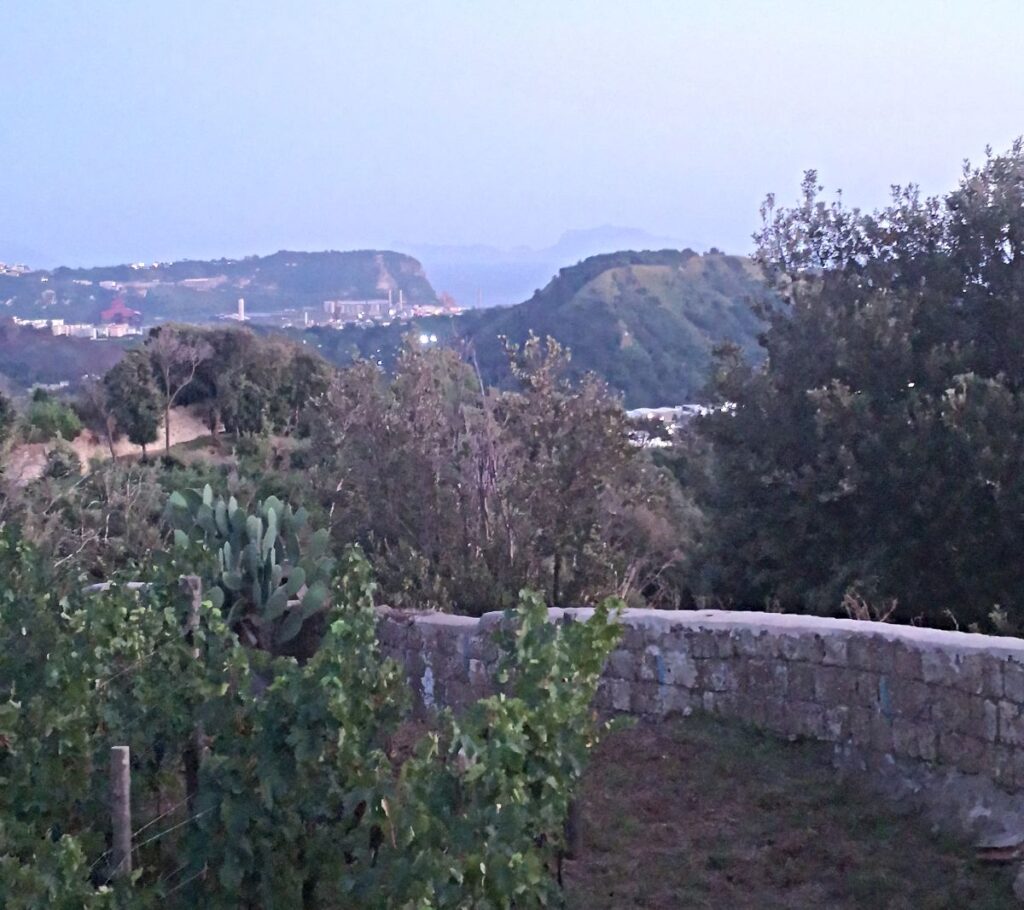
(118, 312)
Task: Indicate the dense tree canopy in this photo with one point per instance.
(878, 448)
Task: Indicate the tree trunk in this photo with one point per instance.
(110, 437)
(167, 428)
(556, 580)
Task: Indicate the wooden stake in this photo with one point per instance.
(121, 810)
(192, 587)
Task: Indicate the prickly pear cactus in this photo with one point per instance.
(272, 572)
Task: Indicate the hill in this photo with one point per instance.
(487, 276)
(35, 356)
(645, 321)
(199, 290)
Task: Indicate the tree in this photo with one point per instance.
(8, 416)
(176, 355)
(878, 450)
(94, 410)
(132, 399)
(464, 495)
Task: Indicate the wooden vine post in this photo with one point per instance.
(192, 588)
(121, 810)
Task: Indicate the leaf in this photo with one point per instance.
(315, 599)
(276, 605)
(290, 627)
(180, 539)
(296, 579)
(177, 501)
(318, 543)
(220, 514)
(233, 581)
(216, 597)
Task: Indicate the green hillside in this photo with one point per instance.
(645, 321)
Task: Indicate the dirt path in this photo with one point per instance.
(27, 461)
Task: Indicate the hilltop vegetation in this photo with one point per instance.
(197, 290)
(645, 322)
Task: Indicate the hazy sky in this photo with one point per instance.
(138, 129)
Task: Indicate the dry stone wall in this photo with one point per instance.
(934, 716)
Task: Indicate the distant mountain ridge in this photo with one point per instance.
(199, 290)
(645, 321)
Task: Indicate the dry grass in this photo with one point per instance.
(699, 815)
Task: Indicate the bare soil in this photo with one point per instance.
(27, 460)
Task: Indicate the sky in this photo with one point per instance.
(138, 130)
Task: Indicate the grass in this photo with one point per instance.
(697, 814)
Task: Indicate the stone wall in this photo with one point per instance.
(934, 716)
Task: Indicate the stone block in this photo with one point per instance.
(862, 652)
(704, 643)
(865, 689)
(620, 694)
(621, 665)
(1011, 723)
(645, 699)
(938, 667)
(717, 676)
(651, 666)
(836, 723)
(881, 734)
(834, 685)
(963, 752)
(1013, 681)
(834, 649)
(911, 699)
(676, 701)
(680, 669)
(756, 677)
(800, 681)
(725, 644)
(906, 661)
(632, 637)
(749, 642)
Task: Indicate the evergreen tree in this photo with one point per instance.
(133, 400)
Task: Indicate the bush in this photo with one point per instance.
(47, 419)
(62, 461)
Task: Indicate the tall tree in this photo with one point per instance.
(133, 400)
(176, 355)
(878, 447)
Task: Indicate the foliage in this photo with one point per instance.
(175, 354)
(509, 767)
(62, 461)
(296, 802)
(131, 399)
(273, 574)
(877, 450)
(462, 496)
(8, 417)
(49, 418)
